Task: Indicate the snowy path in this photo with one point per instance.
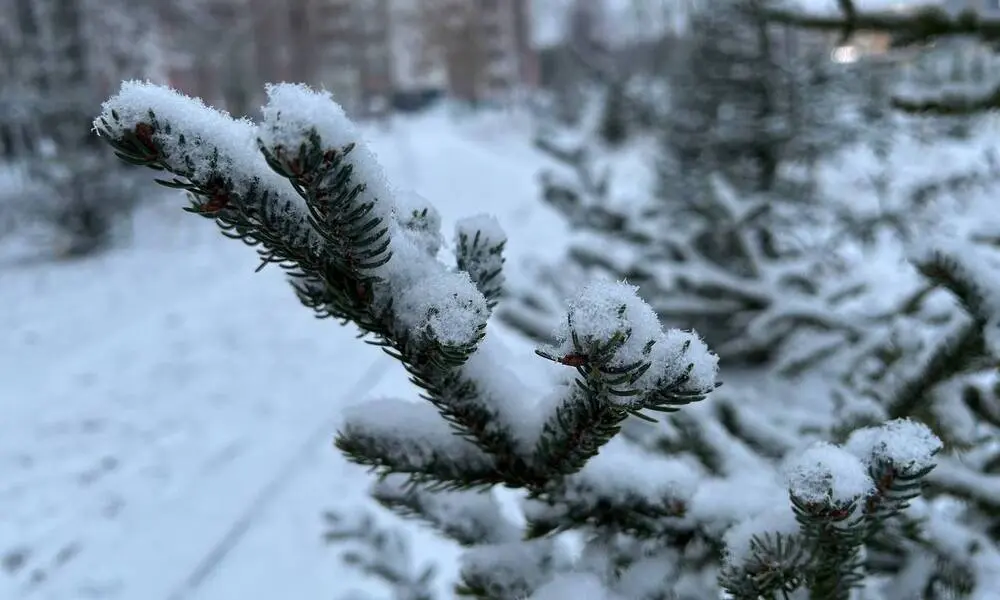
(167, 413)
(151, 432)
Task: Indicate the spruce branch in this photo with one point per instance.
(951, 104)
(601, 499)
(625, 364)
(575, 506)
(899, 455)
(507, 571)
(468, 518)
(303, 190)
(921, 26)
(306, 212)
(399, 437)
(774, 569)
(844, 500)
(963, 350)
(834, 535)
(965, 275)
(826, 486)
(479, 252)
(381, 553)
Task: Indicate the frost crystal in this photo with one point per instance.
(604, 309)
(420, 220)
(908, 445)
(826, 473)
(210, 140)
(448, 304)
(487, 226)
(294, 110)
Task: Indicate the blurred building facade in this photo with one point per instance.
(352, 40)
(367, 52)
(474, 50)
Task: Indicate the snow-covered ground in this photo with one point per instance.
(168, 415)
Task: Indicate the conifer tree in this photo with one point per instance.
(909, 29)
(708, 240)
(59, 61)
(302, 189)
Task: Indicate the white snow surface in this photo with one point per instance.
(168, 414)
(824, 473)
(621, 469)
(604, 309)
(909, 445)
(209, 135)
(574, 585)
(777, 520)
(486, 226)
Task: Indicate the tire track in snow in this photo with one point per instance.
(66, 405)
(275, 485)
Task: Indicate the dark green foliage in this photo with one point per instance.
(55, 58)
(614, 127)
(382, 553)
(334, 246)
(924, 26)
(776, 567)
(483, 260)
(834, 536)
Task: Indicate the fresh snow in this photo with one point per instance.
(605, 309)
(486, 226)
(621, 470)
(211, 137)
(292, 111)
(908, 445)
(447, 303)
(825, 473)
(574, 585)
(413, 432)
(169, 414)
(777, 520)
(421, 219)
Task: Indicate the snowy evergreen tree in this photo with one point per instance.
(64, 57)
(728, 110)
(951, 25)
(675, 512)
(719, 245)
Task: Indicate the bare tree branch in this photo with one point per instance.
(921, 26)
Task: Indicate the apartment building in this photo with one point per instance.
(351, 40)
(369, 51)
(491, 57)
(223, 51)
(364, 51)
(473, 50)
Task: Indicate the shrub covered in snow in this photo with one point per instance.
(302, 188)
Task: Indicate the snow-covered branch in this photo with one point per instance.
(921, 26)
(302, 188)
